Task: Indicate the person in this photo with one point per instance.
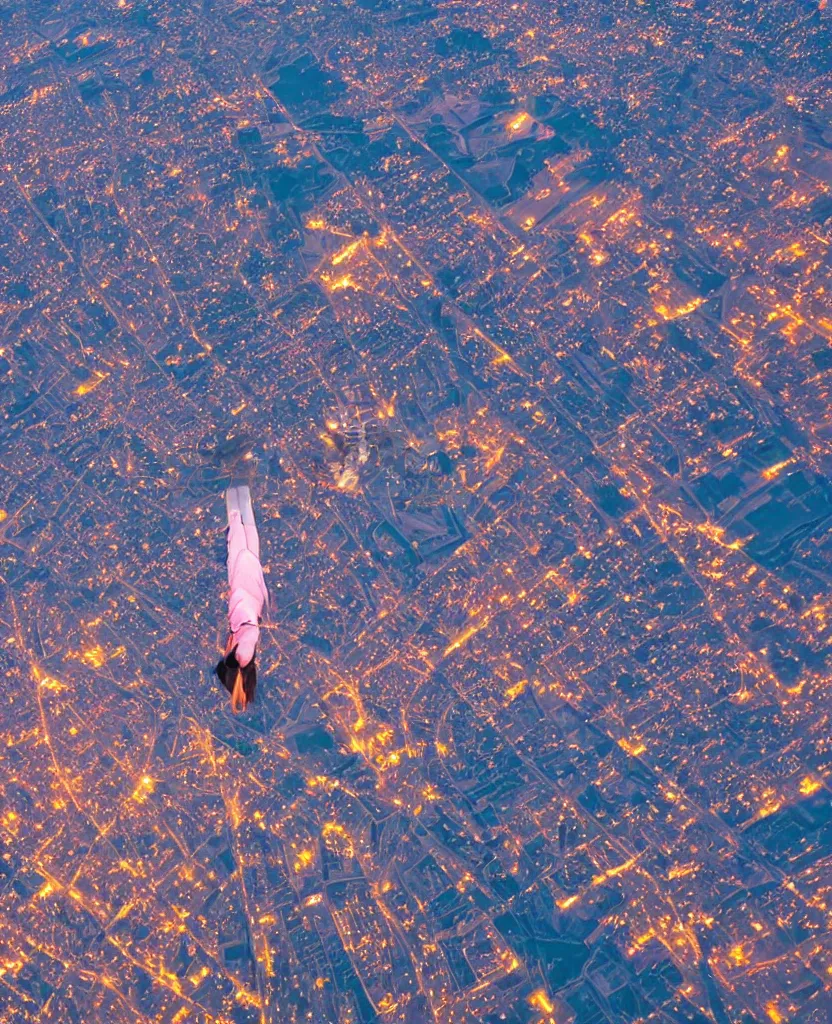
(246, 596)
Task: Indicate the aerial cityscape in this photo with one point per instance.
(517, 317)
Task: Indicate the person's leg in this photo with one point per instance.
(236, 532)
(232, 501)
(247, 515)
(253, 540)
(244, 498)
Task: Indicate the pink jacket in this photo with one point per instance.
(247, 595)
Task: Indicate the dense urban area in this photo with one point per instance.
(518, 316)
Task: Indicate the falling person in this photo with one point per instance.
(246, 597)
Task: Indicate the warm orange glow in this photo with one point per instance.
(716, 533)
(517, 689)
(808, 785)
(94, 656)
(669, 313)
(91, 384)
(633, 749)
(340, 283)
(303, 860)
(462, 638)
(613, 872)
(346, 252)
(523, 120)
(145, 787)
(776, 469)
(540, 1001)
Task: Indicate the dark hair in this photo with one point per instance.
(227, 670)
